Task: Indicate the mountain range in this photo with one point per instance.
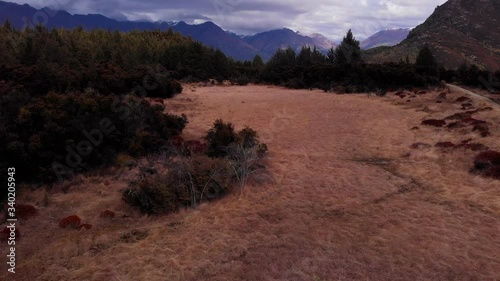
(239, 47)
(458, 31)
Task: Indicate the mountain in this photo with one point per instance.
(322, 42)
(388, 37)
(270, 41)
(212, 35)
(238, 47)
(457, 31)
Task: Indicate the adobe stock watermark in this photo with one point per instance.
(42, 16)
(95, 137)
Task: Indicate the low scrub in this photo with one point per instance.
(188, 182)
(434, 122)
(487, 164)
(192, 178)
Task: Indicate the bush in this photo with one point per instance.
(72, 221)
(242, 81)
(434, 122)
(487, 164)
(188, 182)
(39, 134)
(219, 137)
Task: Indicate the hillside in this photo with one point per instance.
(388, 37)
(457, 31)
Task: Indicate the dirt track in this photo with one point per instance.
(347, 199)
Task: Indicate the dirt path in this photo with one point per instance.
(465, 91)
(346, 200)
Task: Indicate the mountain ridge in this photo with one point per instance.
(207, 33)
(457, 31)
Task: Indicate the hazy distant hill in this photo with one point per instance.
(270, 41)
(457, 31)
(208, 33)
(388, 37)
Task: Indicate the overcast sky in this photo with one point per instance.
(331, 18)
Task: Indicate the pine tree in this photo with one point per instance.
(426, 62)
(348, 52)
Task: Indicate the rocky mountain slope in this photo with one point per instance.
(458, 31)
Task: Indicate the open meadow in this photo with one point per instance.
(356, 189)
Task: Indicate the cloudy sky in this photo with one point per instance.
(331, 18)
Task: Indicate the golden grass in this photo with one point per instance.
(348, 200)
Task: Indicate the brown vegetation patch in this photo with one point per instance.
(483, 130)
(463, 99)
(107, 214)
(473, 146)
(25, 211)
(72, 221)
(458, 116)
(434, 122)
(445, 144)
(488, 164)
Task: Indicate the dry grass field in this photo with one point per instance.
(346, 198)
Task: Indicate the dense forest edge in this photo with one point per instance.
(68, 93)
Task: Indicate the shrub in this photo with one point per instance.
(463, 99)
(71, 221)
(242, 81)
(107, 214)
(473, 146)
(483, 130)
(40, 132)
(487, 164)
(434, 122)
(219, 137)
(445, 144)
(25, 211)
(188, 182)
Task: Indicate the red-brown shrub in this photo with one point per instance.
(445, 144)
(456, 125)
(483, 130)
(473, 146)
(71, 221)
(442, 96)
(488, 164)
(459, 116)
(415, 128)
(434, 122)
(464, 99)
(422, 93)
(25, 211)
(466, 106)
(107, 214)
